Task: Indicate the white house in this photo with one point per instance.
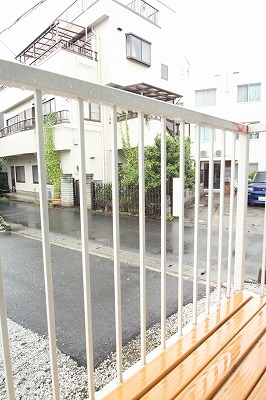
(239, 97)
(116, 43)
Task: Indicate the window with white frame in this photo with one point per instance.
(205, 97)
(92, 111)
(205, 134)
(247, 93)
(138, 49)
(20, 174)
(164, 72)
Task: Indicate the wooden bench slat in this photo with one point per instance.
(211, 379)
(148, 376)
(259, 392)
(247, 375)
(179, 378)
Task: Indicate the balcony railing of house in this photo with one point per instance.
(39, 82)
(139, 6)
(27, 124)
(144, 9)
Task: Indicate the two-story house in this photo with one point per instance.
(239, 97)
(122, 44)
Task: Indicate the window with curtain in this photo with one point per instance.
(138, 49)
(205, 134)
(205, 97)
(92, 111)
(247, 93)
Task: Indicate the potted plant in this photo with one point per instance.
(52, 159)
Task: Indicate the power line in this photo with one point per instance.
(25, 14)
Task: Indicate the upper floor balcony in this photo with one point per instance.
(29, 123)
(144, 9)
(229, 339)
(140, 7)
(60, 35)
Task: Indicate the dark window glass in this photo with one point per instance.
(20, 174)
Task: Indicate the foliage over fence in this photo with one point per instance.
(128, 198)
(129, 171)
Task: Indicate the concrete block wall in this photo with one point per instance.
(89, 180)
(67, 191)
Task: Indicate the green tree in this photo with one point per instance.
(129, 171)
(153, 161)
(52, 159)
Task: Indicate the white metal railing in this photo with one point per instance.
(39, 81)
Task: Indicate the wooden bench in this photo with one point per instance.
(226, 353)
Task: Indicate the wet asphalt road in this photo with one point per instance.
(24, 285)
(67, 221)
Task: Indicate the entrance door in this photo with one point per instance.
(76, 192)
(13, 180)
(216, 175)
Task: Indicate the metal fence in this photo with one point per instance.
(129, 198)
(39, 81)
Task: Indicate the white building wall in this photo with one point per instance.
(18, 144)
(109, 23)
(228, 107)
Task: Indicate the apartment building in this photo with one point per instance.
(239, 97)
(122, 44)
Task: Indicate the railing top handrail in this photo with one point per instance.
(30, 78)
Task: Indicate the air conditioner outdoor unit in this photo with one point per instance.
(203, 153)
(218, 153)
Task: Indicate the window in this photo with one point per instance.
(138, 49)
(35, 176)
(205, 134)
(253, 167)
(164, 72)
(206, 97)
(92, 111)
(246, 93)
(20, 174)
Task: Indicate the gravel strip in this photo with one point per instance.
(31, 365)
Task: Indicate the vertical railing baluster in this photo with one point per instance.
(196, 225)
(116, 244)
(163, 232)
(209, 231)
(5, 339)
(142, 239)
(85, 251)
(241, 211)
(231, 216)
(221, 220)
(263, 264)
(181, 228)
(46, 242)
